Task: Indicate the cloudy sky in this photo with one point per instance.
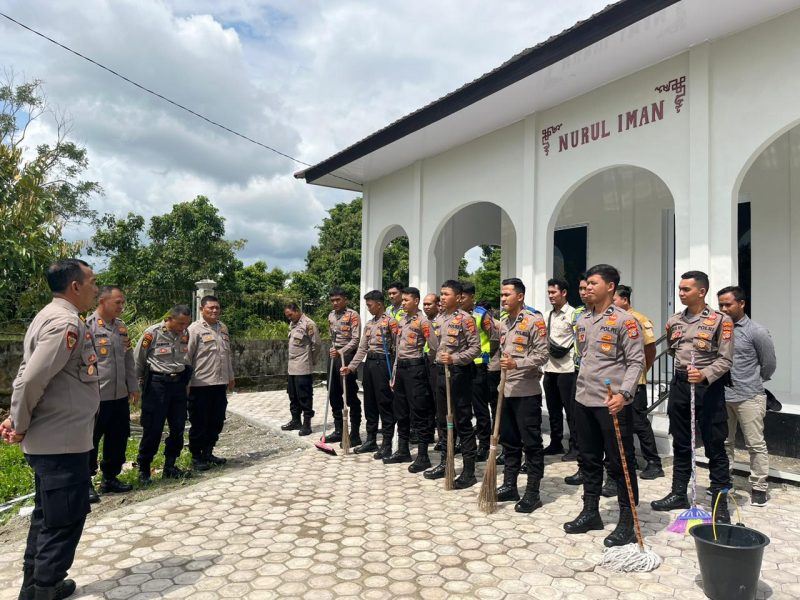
(308, 77)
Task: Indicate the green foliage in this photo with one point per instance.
(487, 277)
(16, 477)
(395, 261)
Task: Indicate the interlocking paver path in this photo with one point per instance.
(320, 527)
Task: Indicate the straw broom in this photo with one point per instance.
(487, 498)
(630, 557)
(345, 419)
(450, 465)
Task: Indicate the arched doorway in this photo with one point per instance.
(393, 256)
(624, 216)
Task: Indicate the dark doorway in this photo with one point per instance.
(569, 257)
(743, 236)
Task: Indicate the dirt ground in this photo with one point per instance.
(241, 442)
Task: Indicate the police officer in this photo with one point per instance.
(53, 405)
(118, 387)
(577, 477)
(430, 306)
(480, 380)
(493, 370)
(701, 342)
(304, 345)
(212, 377)
(611, 348)
(375, 345)
(164, 375)
(523, 351)
(641, 423)
(412, 406)
(457, 346)
(395, 294)
(344, 325)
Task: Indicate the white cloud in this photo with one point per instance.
(308, 78)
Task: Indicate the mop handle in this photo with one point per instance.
(693, 434)
(501, 394)
(449, 399)
(625, 472)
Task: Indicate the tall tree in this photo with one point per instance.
(487, 276)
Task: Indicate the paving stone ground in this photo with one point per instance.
(319, 527)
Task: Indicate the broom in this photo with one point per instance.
(345, 419)
(630, 557)
(321, 445)
(694, 515)
(487, 498)
(450, 465)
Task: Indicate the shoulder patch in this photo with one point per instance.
(147, 339)
(72, 338)
(471, 325)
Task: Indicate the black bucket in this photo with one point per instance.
(731, 565)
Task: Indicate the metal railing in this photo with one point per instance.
(659, 377)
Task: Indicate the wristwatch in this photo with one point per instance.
(627, 395)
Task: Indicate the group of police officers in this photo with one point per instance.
(408, 352)
(78, 378)
(74, 388)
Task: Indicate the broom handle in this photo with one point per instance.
(449, 399)
(501, 393)
(625, 472)
(692, 411)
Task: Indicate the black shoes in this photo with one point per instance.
(624, 532)
(671, 501)
(292, 425)
(721, 514)
(336, 436)
(652, 471)
(403, 454)
(467, 478)
(369, 446)
(576, 479)
(529, 503)
(588, 519)
(214, 460)
(609, 488)
(63, 589)
(570, 456)
(501, 458)
(385, 451)
(94, 497)
(482, 453)
(422, 462)
(199, 463)
(114, 486)
(144, 474)
(305, 429)
(554, 449)
(439, 447)
(355, 439)
(508, 492)
(171, 471)
(758, 498)
(438, 471)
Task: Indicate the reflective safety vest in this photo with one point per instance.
(395, 313)
(479, 313)
(576, 348)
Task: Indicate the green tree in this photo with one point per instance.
(487, 276)
(395, 261)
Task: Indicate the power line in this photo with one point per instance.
(162, 97)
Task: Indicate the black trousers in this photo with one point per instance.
(461, 396)
(60, 507)
(642, 427)
(163, 401)
(480, 404)
(207, 406)
(378, 398)
(712, 422)
(521, 431)
(301, 396)
(558, 389)
(597, 438)
(493, 378)
(113, 425)
(336, 392)
(432, 372)
(412, 404)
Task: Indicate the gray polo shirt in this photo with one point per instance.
(753, 360)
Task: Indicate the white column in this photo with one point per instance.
(205, 287)
(793, 263)
(529, 253)
(367, 257)
(417, 263)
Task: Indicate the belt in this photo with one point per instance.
(410, 362)
(165, 376)
(376, 356)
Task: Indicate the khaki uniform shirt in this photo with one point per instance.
(494, 361)
(304, 346)
(115, 362)
(412, 334)
(376, 331)
(525, 340)
(161, 351)
(611, 348)
(345, 329)
(648, 336)
(56, 393)
(561, 333)
(210, 354)
(457, 335)
(709, 335)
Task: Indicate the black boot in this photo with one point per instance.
(403, 454)
(369, 446)
(671, 501)
(721, 515)
(576, 479)
(63, 589)
(385, 451)
(171, 471)
(508, 492)
(94, 497)
(438, 471)
(624, 532)
(336, 436)
(482, 453)
(199, 462)
(439, 447)
(531, 500)
(554, 448)
(653, 470)
(144, 473)
(306, 427)
(214, 460)
(422, 461)
(609, 488)
(292, 425)
(501, 458)
(467, 477)
(112, 485)
(355, 438)
(570, 456)
(26, 589)
(588, 519)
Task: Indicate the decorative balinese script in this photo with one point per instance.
(677, 85)
(546, 133)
